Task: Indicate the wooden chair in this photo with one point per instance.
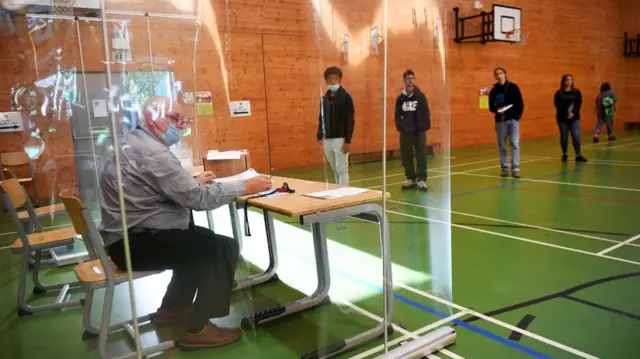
(14, 197)
(99, 273)
(16, 159)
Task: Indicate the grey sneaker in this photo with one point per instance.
(516, 174)
(410, 184)
(504, 173)
(422, 186)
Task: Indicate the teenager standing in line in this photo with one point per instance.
(605, 108)
(413, 120)
(505, 101)
(335, 125)
(568, 101)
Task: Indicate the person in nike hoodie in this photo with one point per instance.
(505, 101)
(413, 120)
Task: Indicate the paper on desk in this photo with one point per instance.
(337, 193)
(248, 174)
(503, 109)
(224, 155)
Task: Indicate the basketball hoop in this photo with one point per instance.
(62, 7)
(517, 37)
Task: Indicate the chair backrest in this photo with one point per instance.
(84, 225)
(14, 197)
(74, 208)
(14, 158)
(16, 193)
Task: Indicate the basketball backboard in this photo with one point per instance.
(506, 20)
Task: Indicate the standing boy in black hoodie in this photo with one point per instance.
(335, 127)
(505, 101)
(413, 120)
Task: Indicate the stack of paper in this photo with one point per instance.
(224, 155)
(248, 174)
(337, 193)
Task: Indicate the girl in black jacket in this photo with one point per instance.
(568, 101)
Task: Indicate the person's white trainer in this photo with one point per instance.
(422, 186)
(410, 184)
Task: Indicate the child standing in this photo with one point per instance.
(605, 108)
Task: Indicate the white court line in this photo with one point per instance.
(625, 243)
(518, 238)
(623, 145)
(47, 227)
(454, 173)
(607, 162)
(515, 223)
(604, 144)
(551, 182)
(495, 159)
(406, 334)
(413, 335)
(500, 323)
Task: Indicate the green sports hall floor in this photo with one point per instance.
(525, 252)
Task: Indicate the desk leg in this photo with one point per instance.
(235, 224)
(210, 220)
(270, 273)
(346, 345)
(321, 293)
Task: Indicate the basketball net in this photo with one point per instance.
(62, 7)
(518, 37)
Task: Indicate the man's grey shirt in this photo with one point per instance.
(158, 192)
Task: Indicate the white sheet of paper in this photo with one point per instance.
(337, 193)
(224, 155)
(503, 109)
(248, 174)
(100, 108)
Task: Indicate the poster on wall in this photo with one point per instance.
(484, 98)
(345, 44)
(204, 103)
(240, 108)
(374, 41)
(436, 31)
(11, 121)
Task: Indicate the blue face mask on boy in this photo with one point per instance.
(333, 88)
(173, 135)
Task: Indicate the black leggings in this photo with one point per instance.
(201, 261)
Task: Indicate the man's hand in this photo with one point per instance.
(571, 115)
(206, 177)
(346, 148)
(320, 144)
(257, 184)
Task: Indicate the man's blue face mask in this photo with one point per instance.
(173, 135)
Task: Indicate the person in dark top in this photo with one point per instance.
(413, 120)
(505, 101)
(568, 101)
(605, 108)
(335, 125)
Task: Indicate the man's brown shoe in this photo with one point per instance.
(210, 336)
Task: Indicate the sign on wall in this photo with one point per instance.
(240, 108)
(204, 103)
(484, 98)
(11, 122)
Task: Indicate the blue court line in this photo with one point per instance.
(436, 313)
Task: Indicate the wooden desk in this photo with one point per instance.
(296, 204)
(316, 212)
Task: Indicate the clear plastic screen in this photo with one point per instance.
(249, 78)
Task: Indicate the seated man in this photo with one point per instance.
(158, 198)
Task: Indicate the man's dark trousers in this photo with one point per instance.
(411, 143)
